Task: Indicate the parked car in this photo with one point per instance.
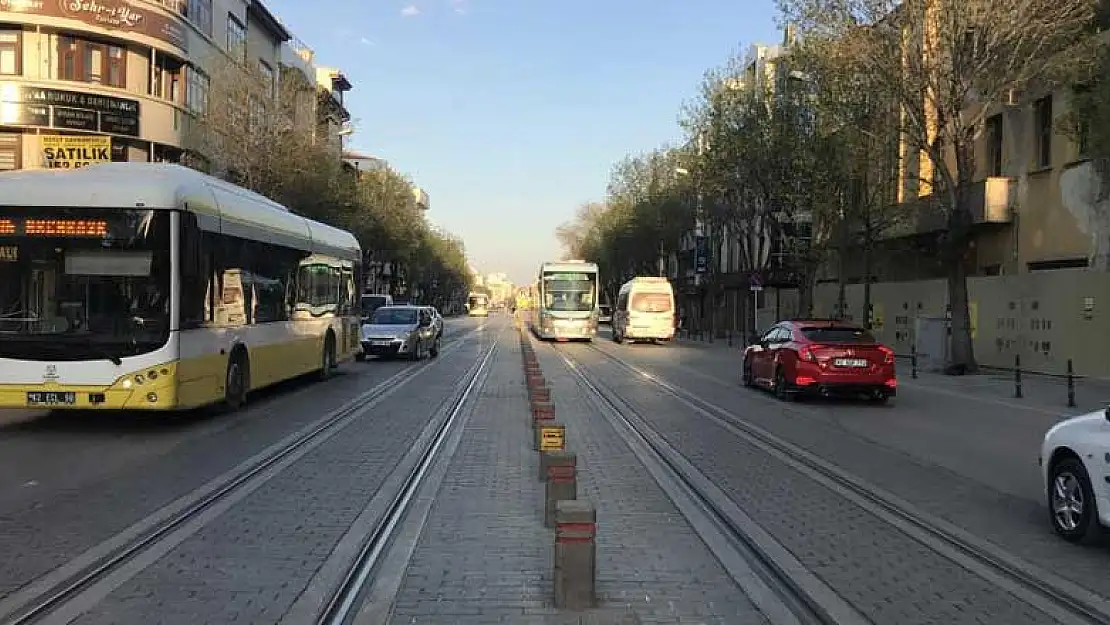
(1075, 466)
(820, 357)
(399, 331)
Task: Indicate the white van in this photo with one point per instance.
(645, 310)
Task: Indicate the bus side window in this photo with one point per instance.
(196, 273)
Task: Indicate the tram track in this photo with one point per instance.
(346, 598)
(1053, 595)
(68, 590)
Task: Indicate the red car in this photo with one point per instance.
(821, 357)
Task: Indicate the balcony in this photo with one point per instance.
(296, 54)
(421, 198)
(992, 202)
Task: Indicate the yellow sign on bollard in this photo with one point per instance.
(553, 438)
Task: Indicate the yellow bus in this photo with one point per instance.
(146, 286)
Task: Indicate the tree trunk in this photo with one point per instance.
(961, 357)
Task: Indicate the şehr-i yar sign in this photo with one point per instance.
(67, 152)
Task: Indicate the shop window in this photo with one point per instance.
(11, 53)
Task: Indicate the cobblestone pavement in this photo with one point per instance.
(252, 562)
(485, 556)
(71, 481)
(888, 577)
(972, 463)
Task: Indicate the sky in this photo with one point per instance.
(511, 113)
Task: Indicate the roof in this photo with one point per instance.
(268, 21)
(823, 323)
(164, 186)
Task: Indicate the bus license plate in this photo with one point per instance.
(50, 398)
(850, 362)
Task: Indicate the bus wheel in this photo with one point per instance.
(327, 358)
(237, 381)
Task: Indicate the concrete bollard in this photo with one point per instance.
(553, 433)
(562, 483)
(543, 411)
(575, 554)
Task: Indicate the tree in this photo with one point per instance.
(262, 135)
(645, 212)
(259, 134)
(1088, 124)
(944, 64)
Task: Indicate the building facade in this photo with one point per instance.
(117, 80)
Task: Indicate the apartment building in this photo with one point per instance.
(118, 79)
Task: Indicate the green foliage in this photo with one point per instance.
(647, 210)
(267, 144)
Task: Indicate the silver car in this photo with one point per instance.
(437, 321)
(405, 331)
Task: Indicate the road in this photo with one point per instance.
(401, 493)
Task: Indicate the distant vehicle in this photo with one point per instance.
(605, 314)
(820, 357)
(373, 301)
(1075, 476)
(567, 304)
(150, 286)
(477, 305)
(405, 331)
(645, 310)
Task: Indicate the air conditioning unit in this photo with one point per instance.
(1012, 97)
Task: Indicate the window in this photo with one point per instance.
(10, 150)
(196, 92)
(157, 79)
(199, 13)
(89, 61)
(229, 281)
(267, 75)
(994, 145)
(1042, 111)
(236, 37)
(838, 335)
(650, 303)
(257, 118)
(1083, 130)
(11, 54)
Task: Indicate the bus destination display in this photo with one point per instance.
(566, 277)
(92, 228)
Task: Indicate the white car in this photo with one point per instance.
(1075, 464)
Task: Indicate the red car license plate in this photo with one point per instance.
(850, 362)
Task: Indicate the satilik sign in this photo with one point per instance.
(72, 152)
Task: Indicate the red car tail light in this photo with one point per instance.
(806, 353)
(888, 355)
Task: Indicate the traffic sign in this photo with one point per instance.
(755, 283)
